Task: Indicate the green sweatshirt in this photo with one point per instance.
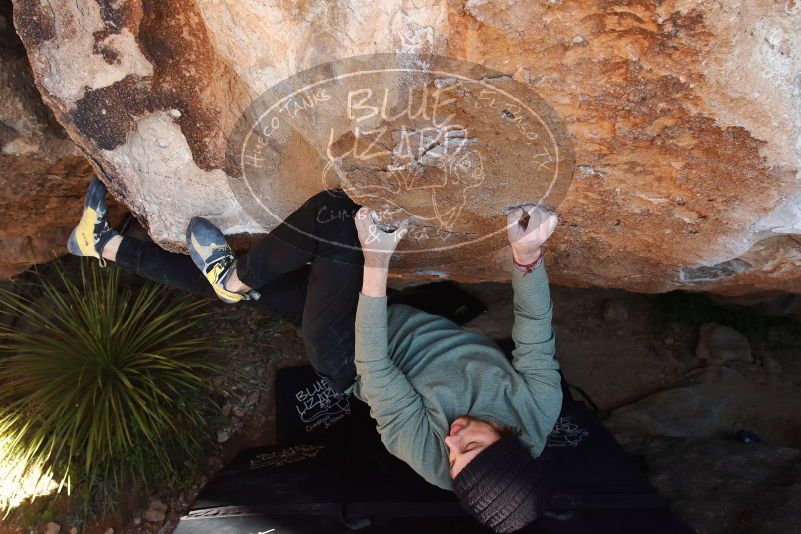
(419, 372)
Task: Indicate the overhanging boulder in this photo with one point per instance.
(684, 118)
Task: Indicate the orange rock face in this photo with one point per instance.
(680, 124)
(42, 173)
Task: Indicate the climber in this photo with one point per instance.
(447, 401)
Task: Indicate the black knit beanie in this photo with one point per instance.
(503, 487)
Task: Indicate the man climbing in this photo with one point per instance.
(446, 401)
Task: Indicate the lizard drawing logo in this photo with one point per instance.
(437, 165)
(450, 144)
(566, 433)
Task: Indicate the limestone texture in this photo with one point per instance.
(42, 173)
(724, 486)
(714, 402)
(684, 119)
(719, 343)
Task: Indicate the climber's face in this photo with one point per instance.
(469, 436)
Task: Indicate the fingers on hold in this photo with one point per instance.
(553, 219)
(402, 230)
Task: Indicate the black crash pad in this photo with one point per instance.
(329, 473)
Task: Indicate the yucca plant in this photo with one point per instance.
(101, 387)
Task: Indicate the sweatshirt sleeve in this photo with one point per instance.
(396, 406)
(535, 343)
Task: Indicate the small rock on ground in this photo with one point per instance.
(615, 311)
(155, 516)
(156, 512)
(156, 504)
(718, 344)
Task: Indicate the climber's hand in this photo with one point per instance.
(528, 227)
(377, 244)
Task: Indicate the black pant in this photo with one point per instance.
(320, 297)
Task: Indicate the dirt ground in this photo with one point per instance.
(637, 363)
(623, 363)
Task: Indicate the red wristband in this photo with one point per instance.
(528, 267)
